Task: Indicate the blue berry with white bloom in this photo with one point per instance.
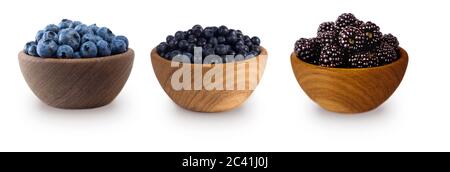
(118, 46)
(104, 49)
(88, 50)
(70, 37)
(47, 48)
(105, 33)
(64, 51)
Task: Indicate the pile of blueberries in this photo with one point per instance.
(219, 41)
(74, 40)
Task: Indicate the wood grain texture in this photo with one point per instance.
(349, 90)
(208, 100)
(77, 83)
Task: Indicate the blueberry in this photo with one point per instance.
(50, 35)
(189, 55)
(70, 37)
(52, 28)
(223, 31)
(88, 50)
(27, 45)
(32, 51)
(64, 24)
(30, 48)
(90, 37)
(183, 44)
(123, 38)
(221, 49)
(39, 35)
(197, 30)
(74, 24)
(256, 41)
(83, 29)
(213, 41)
(118, 46)
(180, 35)
(104, 49)
(64, 51)
(170, 38)
(105, 33)
(163, 47)
(256, 49)
(77, 55)
(93, 27)
(47, 48)
(208, 33)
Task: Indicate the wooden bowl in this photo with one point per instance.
(349, 90)
(203, 100)
(77, 83)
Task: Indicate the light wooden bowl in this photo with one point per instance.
(207, 100)
(349, 90)
(77, 83)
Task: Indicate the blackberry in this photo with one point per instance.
(351, 39)
(307, 50)
(371, 33)
(331, 56)
(386, 53)
(327, 38)
(363, 60)
(391, 40)
(327, 27)
(346, 20)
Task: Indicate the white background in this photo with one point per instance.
(278, 116)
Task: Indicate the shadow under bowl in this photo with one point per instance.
(77, 83)
(349, 90)
(236, 82)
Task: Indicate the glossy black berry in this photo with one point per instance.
(331, 56)
(256, 40)
(219, 41)
(163, 47)
(221, 49)
(183, 45)
(307, 50)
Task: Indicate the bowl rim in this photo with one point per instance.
(403, 57)
(24, 56)
(263, 53)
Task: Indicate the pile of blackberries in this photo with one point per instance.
(74, 40)
(348, 43)
(219, 41)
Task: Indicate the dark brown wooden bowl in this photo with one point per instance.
(77, 83)
(349, 90)
(208, 100)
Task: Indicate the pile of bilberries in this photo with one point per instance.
(73, 39)
(219, 41)
(348, 43)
